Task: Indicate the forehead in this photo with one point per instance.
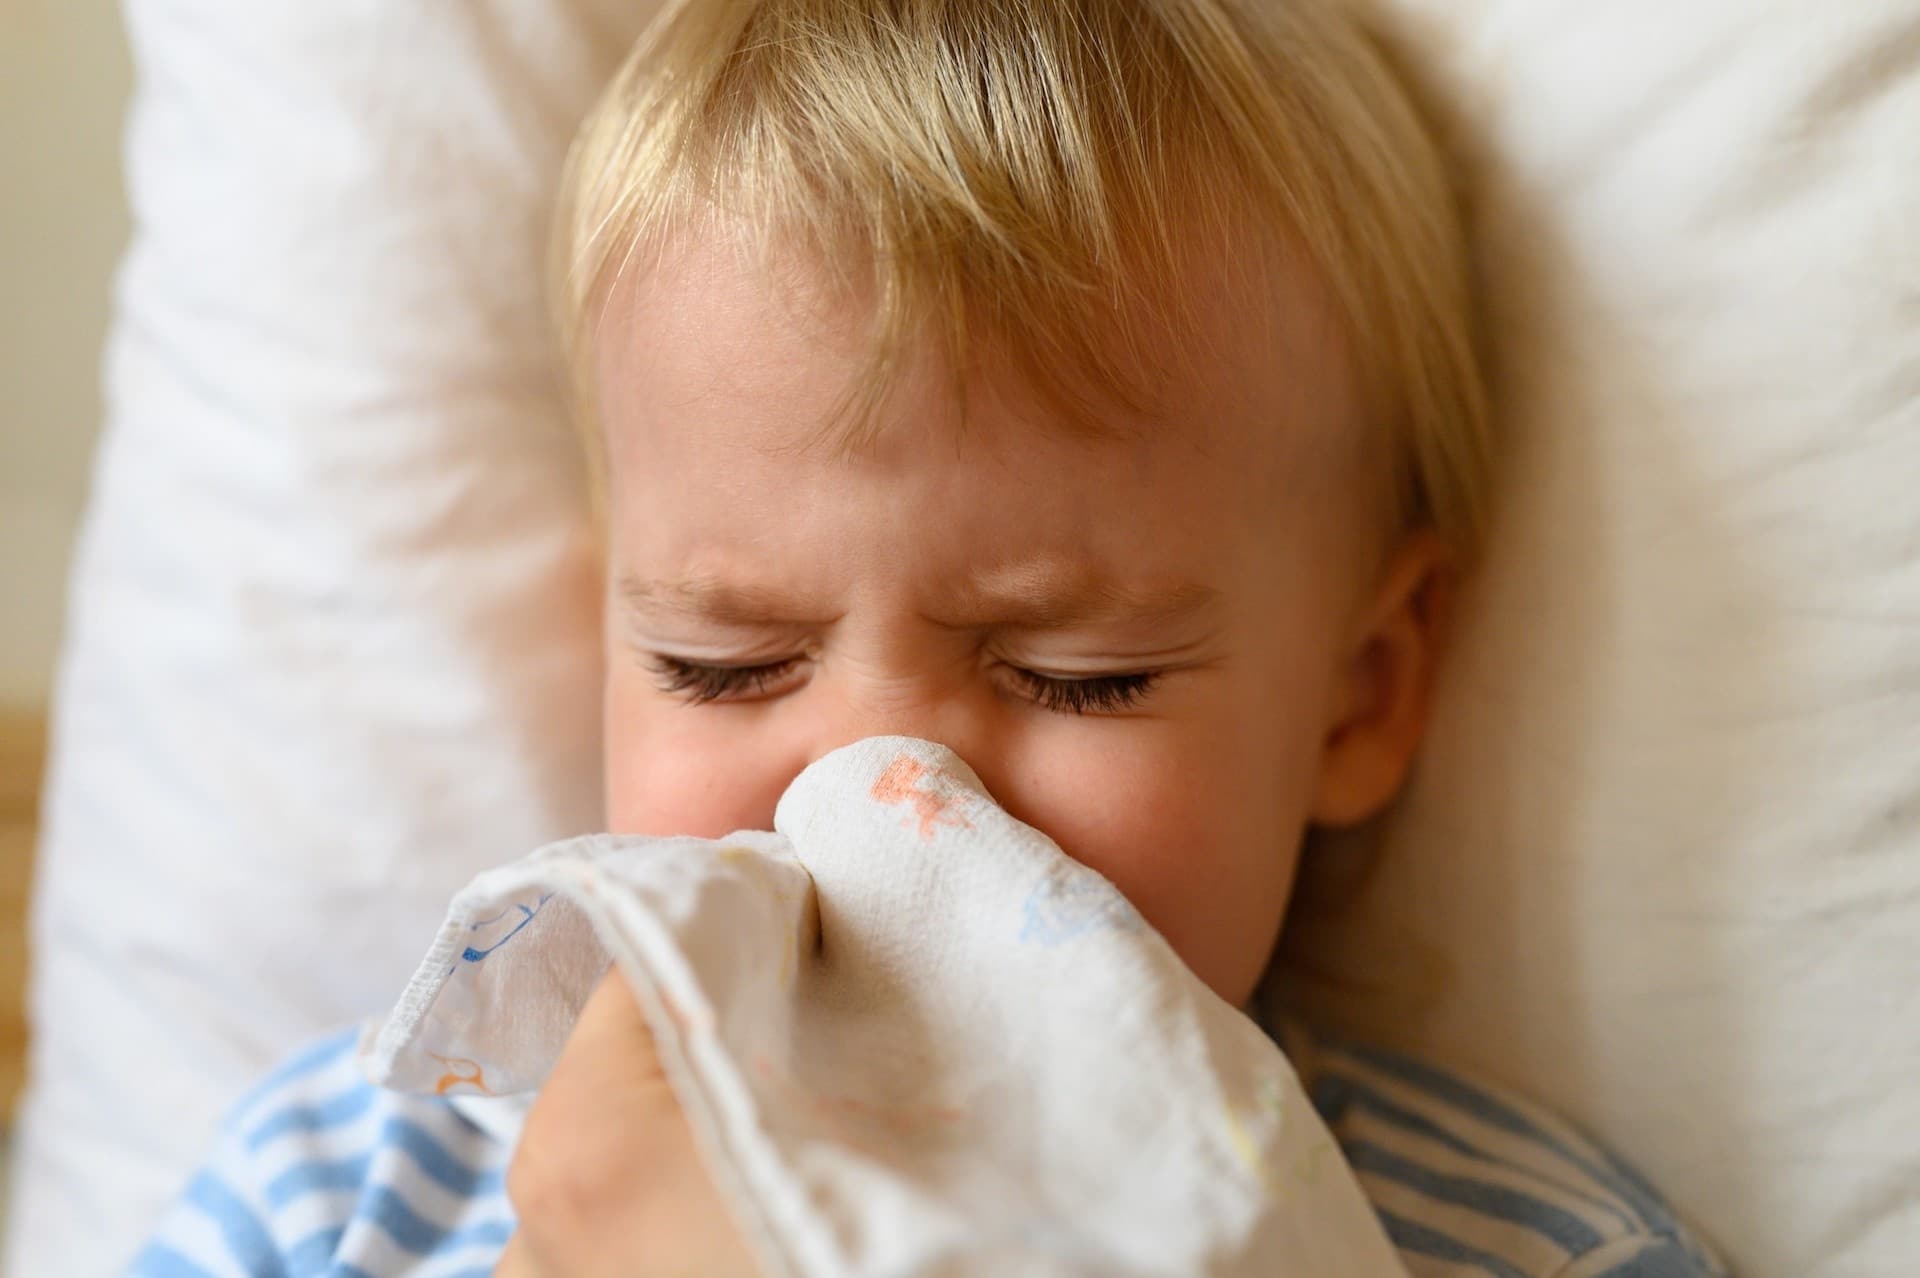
(763, 346)
(716, 374)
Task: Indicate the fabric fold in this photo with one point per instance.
(911, 1034)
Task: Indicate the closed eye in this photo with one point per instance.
(700, 684)
(1097, 694)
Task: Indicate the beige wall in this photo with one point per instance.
(63, 88)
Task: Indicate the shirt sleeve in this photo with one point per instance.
(319, 1171)
(223, 1223)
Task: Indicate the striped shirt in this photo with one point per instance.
(318, 1174)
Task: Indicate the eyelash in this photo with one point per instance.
(1102, 694)
(701, 684)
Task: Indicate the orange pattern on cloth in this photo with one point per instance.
(900, 783)
(476, 1079)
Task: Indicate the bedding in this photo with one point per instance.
(331, 646)
(331, 637)
(1660, 863)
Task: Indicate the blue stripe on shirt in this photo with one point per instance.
(433, 1159)
(317, 1177)
(330, 1050)
(441, 1167)
(1417, 1239)
(355, 1271)
(1657, 1258)
(1334, 1095)
(161, 1261)
(1497, 1202)
(410, 1231)
(249, 1242)
(1489, 1109)
(335, 1111)
(312, 1256)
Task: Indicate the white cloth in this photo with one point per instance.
(911, 1035)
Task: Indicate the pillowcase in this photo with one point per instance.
(1660, 865)
(332, 641)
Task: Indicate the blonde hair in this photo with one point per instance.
(1039, 172)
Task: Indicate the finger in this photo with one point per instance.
(611, 1034)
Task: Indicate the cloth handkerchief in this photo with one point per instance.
(912, 1037)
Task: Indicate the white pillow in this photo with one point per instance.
(331, 647)
(1662, 864)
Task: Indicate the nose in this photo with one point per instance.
(961, 718)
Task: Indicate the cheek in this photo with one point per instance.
(1197, 823)
(1199, 832)
(679, 770)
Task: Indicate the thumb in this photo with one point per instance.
(608, 1180)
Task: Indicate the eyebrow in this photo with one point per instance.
(1055, 597)
(710, 599)
(1032, 597)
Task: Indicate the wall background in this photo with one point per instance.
(64, 81)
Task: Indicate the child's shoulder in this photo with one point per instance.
(316, 1167)
(1468, 1179)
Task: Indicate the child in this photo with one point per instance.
(1088, 386)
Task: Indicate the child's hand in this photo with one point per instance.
(606, 1180)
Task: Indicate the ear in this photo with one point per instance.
(1385, 682)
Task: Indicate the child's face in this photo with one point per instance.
(1150, 647)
